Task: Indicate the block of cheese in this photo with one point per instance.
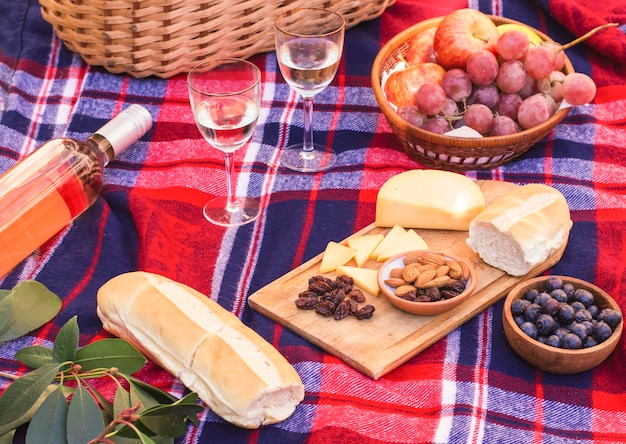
(335, 255)
(393, 234)
(429, 199)
(409, 241)
(363, 246)
(365, 278)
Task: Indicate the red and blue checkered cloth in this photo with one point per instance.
(469, 386)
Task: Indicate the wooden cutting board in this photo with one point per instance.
(391, 337)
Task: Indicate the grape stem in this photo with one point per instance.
(586, 36)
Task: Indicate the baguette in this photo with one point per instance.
(238, 374)
(521, 229)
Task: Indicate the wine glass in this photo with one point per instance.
(225, 96)
(309, 43)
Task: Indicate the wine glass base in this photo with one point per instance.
(217, 212)
(296, 158)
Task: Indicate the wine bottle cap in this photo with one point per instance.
(126, 128)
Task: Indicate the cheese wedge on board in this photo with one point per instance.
(409, 241)
(363, 246)
(335, 254)
(430, 199)
(365, 278)
(393, 234)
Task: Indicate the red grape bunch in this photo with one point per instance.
(520, 86)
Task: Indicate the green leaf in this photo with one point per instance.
(121, 401)
(33, 305)
(23, 393)
(139, 395)
(84, 420)
(170, 420)
(7, 438)
(34, 356)
(109, 353)
(49, 423)
(66, 342)
(159, 395)
(6, 307)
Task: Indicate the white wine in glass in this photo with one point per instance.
(309, 44)
(225, 96)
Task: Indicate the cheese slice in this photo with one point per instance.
(365, 278)
(335, 255)
(431, 199)
(363, 246)
(393, 234)
(409, 241)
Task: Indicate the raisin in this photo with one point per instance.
(342, 310)
(365, 312)
(325, 308)
(357, 295)
(306, 303)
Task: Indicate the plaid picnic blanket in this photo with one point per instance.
(469, 386)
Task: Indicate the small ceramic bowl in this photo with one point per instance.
(554, 359)
(422, 308)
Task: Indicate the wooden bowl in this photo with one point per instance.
(553, 359)
(451, 152)
(422, 308)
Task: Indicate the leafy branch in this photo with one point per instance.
(60, 404)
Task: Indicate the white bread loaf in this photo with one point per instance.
(521, 229)
(238, 374)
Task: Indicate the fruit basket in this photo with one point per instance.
(451, 152)
(163, 38)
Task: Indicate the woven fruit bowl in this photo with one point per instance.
(451, 152)
(164, 38)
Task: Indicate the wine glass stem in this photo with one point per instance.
(308, 123)
(231, 203)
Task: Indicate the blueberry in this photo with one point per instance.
(553, 282)
(583, 315)
(561, 332)
(579, 330)
(611, 317)
(584, 296)
(519, 319)
(545, 324)
(529, 329)
(602, 331)
(572, 342)
(531, 294)
(541, 339)
(589, 342)
(566, 314)
(576, 305)
(553, 341)
(542, 298)
(531, 313)
(569, 290)
(550, 306)
(594, 310)
(559, 294)
(518, 306)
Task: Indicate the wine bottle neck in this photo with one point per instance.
(103, 146)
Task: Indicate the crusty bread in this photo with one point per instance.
(521, 229)
(238, 374)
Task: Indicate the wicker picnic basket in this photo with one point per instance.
(167, 37)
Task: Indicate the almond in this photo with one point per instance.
(413, 257)
(404, 290)
(395, 273)
(442, 270)
(455, 269)
(425, 277)
(437, 282)
(395, 282)
(432, 258)
(410, 273)
(465, 274)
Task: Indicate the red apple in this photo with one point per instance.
(420, 47)
(460, 34)
(401, 86)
